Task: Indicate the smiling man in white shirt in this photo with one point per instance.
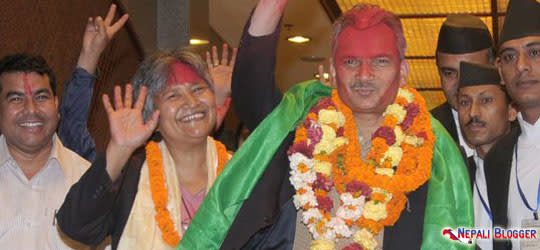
(36, 170)
(512, 168)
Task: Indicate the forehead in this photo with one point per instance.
(473, 91)
(180, 73)
(17, 81)
(373, 41)
(446, 59)
(520, 43)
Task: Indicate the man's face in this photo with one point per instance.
(368, 70)
(519, 66)
(484, 114)
(28, 110)
(448, 67)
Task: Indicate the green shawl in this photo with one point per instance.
(449, 201)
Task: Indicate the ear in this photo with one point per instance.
(56, 105)
(333, 79)
(498, 65)
(512, 112)
(403, 72)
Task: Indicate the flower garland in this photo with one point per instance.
(325, 156)
(158, 188)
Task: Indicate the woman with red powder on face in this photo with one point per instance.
(145, 197)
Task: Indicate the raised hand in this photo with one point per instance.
(97, 34)
(221, 73)
(266, 16)
(127, 127)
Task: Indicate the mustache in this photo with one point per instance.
(30, 117)
(360, 84)
(476, 121)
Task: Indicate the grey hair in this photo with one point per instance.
(154, 71)
(349, 19)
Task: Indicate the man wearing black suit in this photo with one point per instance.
(512, 169)
(461, 38)
(485, 115)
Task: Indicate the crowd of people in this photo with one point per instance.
(358, 162)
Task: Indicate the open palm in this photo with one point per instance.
(127, 126)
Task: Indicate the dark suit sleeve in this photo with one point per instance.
(86, 214)
(254, 93)
(74, 109)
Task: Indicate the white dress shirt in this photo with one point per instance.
(29, 206)
(468, 150)
(482, 219)
(528, 173)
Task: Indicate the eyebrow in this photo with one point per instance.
(531, 44)
(14, 93)
(448, 68)
(507, 49)
(19, 93)
(41, 91)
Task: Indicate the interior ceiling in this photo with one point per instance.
(313, 18)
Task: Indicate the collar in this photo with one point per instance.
(530, 133)
(57, 152)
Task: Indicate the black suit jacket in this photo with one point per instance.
(443, 113)
(497, 165)
(95, 207)
(267, 219)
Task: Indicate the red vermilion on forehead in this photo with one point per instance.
(377, 40)
(180, 73)
(27, 87)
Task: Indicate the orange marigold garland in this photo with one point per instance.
(158, 188)
(325, 156)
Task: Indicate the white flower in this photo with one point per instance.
(307, 198)
(312, 213)
(399, 135)
(365, 238)
(298, 158)
(340, 227)
(331, 116)
(408, 95)
(397, 111)
(322, 244)
(375, 211)
(327, 143)
(323, 167)
(349, 214)
(393, 153)
(298, 179)
(349, 200)
(385, 171)
(414, 140)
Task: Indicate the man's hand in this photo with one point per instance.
(221, 71)
(266, 17)
(97, 34)
(127, 127)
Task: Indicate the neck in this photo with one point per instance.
(482, 150)
(367, 123)
(31, 162)
(187, 156)
(531, 114)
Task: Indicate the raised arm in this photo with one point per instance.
(87, 212)
(77, 94)
(254, 93)
(221, 73)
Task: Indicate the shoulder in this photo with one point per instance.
(441, 110)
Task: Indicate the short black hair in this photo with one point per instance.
(27, 63)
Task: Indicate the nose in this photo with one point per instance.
(523, 63)
(30, 105)
(191, 99)
(474, 111)
(364, 71)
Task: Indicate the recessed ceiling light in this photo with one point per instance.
(195, 41)
(298, 39)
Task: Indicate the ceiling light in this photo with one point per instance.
(198, 41)
(298, 39)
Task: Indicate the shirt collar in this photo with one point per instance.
(57, 152)
(529, 132)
